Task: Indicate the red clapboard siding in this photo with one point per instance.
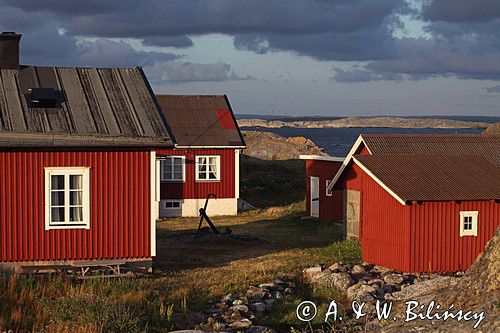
(330, 208)
(384, 226)
(191, 189)
(436, 244)
(119, 207)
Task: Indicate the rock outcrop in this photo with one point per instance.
(270, 146)
(493, 129)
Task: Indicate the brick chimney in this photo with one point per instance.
(9, 50)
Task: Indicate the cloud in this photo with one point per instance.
(493, 90)
(180, 72)
(362, 75)
(168, 41)
(462, 36)
(108, 53)
(461, 10)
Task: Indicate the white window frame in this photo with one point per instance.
(172, 158)
(66, 172)
(473, 215)
(197, 158)
(172, 208)
(328, 193)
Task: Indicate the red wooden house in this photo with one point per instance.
(205, 159)
(77, 162)
(417, 202)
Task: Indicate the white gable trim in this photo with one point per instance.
(348, 158)
(385, 187)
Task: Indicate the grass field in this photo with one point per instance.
(189, 272)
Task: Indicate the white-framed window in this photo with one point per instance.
(173, 169)
(67, 194)
(328, 193)
(172, 204)
(468, 223)
(208, 168)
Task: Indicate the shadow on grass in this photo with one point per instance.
(181, 250)
(272, 183)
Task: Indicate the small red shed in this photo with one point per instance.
(205, 159)
(319, 170)
(77, 162)
(419, 203)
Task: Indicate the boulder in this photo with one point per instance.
(240, 308)
(340, 281)
(358, 270)
(242, 324)
(394, 278)
(269, 304)
(311, 272)
(260, 329)
(335, 266)
(259, 306)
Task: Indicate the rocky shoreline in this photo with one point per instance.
(391, 122)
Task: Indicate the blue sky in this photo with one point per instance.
(283, 57)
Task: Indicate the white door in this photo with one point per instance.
(315, 196)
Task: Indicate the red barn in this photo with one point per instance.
(77, 162)
(419, 203)
(205, 159)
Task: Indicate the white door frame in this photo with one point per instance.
(314, 196)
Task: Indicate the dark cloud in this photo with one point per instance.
(461, 10)
(492, 90)
(463, 36)
(168, 41)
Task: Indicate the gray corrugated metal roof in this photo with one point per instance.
(435, 177)
(98, 107)
(201, 121)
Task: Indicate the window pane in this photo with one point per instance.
(75, 198)
(202, 167)
(168, 167)
(212, 175)
(57, 198)
(178, 168)
(75, 182)
(177, 161)
(213, 160)
(178, 176)
(57, 182)
(57, 215)
(202, 160)
(76, 214)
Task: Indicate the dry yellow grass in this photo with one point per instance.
(270, 243)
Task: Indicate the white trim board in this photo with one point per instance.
(321, 158)
(376, 179)
(348, 158)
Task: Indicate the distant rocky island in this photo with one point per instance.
(393, 122)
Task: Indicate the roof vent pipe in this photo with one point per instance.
(9, 50)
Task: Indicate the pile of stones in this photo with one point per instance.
(238, 312)
(363, 283)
